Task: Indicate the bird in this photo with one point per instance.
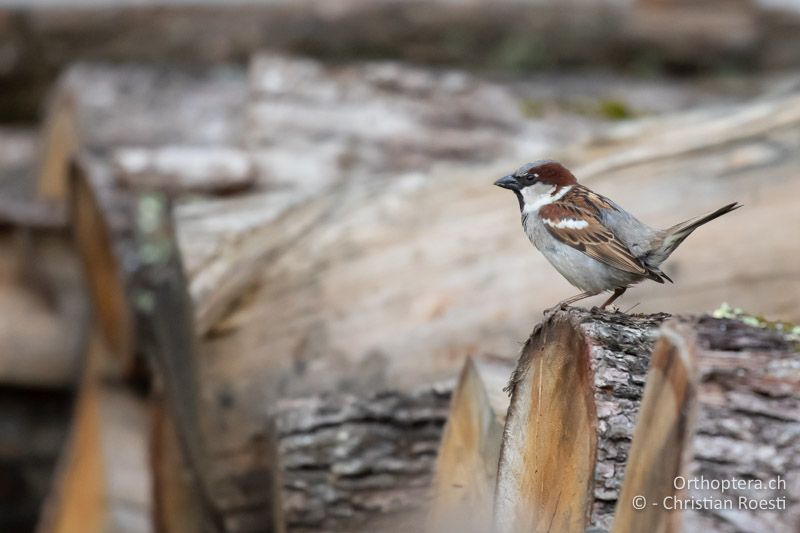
(590, 240)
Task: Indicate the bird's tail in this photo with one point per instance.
(677, 233)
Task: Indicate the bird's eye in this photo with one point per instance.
(530, 178)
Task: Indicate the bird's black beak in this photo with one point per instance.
(508, 182)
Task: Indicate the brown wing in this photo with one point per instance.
(582, 229)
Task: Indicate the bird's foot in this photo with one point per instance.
(550, 311)
(610, 308)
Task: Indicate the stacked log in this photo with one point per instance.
(720, 406)
(42, 307)
(466, 465)
(574, 398)
(40, 345)
(348, 463)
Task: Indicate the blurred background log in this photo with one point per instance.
(101, 223)
(35, 426)
(43, 311)
(103, 480)
(436, 223)
(505, 35)
(344, 463)
(184, 170)
(574, 397)
(100, 108)
(43, 331)
(466, 465)
(721, 403)
(41, 324)
(177, 508)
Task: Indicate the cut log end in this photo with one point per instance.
(574, 397)
(466, 466)
(102, 483)
(99, 223)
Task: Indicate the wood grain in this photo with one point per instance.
(546, 473)
(103, 482)
(466, 465)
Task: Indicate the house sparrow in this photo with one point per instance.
(594, 243)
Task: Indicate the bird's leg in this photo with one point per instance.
(564, 303)
(617, 294)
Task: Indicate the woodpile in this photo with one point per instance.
(288, 263)
(717, 403)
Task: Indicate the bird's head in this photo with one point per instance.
(538, 183)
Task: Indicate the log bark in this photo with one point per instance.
(466, 465)
(19, 206)
(103, 482)
(344, 463)
(166, 338)
(574, 397)
(31, 214)
(720, 404)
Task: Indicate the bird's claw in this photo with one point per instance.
(550, 311)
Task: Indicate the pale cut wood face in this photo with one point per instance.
(466, 465)
(659, 443)
(547, 461)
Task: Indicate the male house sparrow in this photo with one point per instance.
(594, 243)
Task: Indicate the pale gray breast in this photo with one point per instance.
(579, 269)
